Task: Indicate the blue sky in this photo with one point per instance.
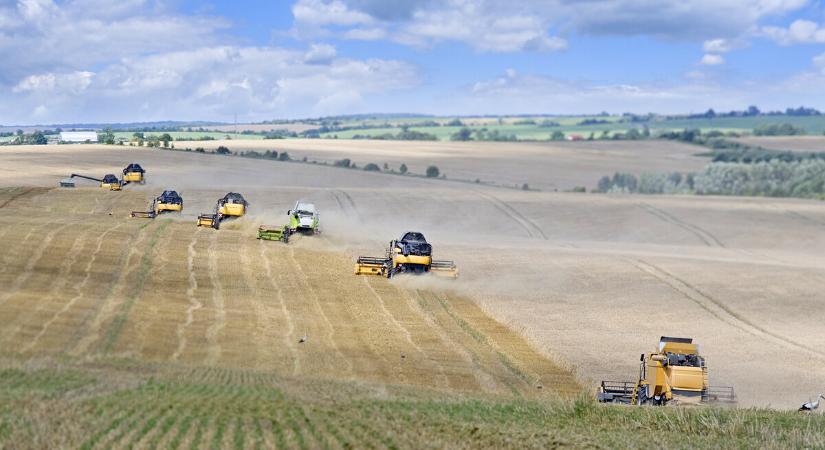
(142, 60)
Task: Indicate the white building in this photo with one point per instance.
(75, 137)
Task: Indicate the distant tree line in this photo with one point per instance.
(775, 178)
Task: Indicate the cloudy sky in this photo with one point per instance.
(143, 60)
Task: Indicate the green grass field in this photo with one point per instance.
(814, 125)
(126, 404)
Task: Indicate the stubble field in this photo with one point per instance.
(557, 291)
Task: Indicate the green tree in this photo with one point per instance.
(432, 172)
(557, 136)
(165, 138)
(464, 134)
(38, 138)
(403, 168)
(107, 137)
(223, 150)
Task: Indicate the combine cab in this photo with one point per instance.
(231, 205)
(304, 218)
(675, 373)
(133, 173)
(167, 201)
(409, 254)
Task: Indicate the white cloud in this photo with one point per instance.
(335, 12)
(819, 62)
(75, 82)
(320, 54)
(712, 60)
(529, 93)
(365, 34)
(535, 25)
(213, 83)
(718, 46)
(425, 23)
(43, 36)
(799, 32)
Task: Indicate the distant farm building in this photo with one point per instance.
(76, 137)
(575, 137)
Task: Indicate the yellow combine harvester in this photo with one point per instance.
(231, 205)
(133, 173)
(167, 201)
(675, 373)
(109, 181)
(409, 254)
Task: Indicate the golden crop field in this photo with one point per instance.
(120, 332)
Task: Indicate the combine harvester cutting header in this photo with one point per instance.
(303, 218)
(133, 173)
(409, 254)
(167, 201)
(231, 205)
(675, 373)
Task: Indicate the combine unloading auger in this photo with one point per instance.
(110, 181)
(133, 173)
(409, 254)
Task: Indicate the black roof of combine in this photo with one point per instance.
(134, 167)
(234, 197)
(413, 236)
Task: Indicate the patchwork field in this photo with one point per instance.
(202, 328)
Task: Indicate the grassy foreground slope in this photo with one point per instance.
(125, 404)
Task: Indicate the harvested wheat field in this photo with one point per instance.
(544, 165)
(156, 333)
(792, 143)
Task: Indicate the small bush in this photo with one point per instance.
(223, 150)
(343, 163)
(200, 150)
(284, 156)
(372, 167)
(403, 168)
(432, 172)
